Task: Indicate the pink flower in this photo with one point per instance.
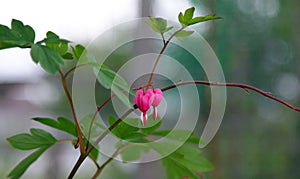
(157, 97)
(144, 100)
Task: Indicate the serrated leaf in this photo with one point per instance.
(38, 138)
(20, 169)
(48, 58)
(19, 35)
(61, 124)
(184, 33)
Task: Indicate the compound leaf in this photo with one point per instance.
(38, 138)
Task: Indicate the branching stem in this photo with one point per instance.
(238, 85)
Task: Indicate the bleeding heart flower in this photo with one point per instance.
(144, 100)
(157, 97)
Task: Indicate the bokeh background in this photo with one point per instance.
(257, 43)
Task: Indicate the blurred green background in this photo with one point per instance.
(257, 43)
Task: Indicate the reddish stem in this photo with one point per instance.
(79, 137)
(238, 85)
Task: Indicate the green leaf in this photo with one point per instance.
(189, 13)
(134, 152)
(125, 128)
(158, 24)
(38, 138)
(61, 124)
(110, 80)
(94, 154)
(176, 170)
(186, 162)
(96, 129)
(48, 58)
(55, 43)
(19, 35)
(119, 92)
(19, 170)
(68, 56)
(181, 18)
(184, 33)
(78, 51)
(176, 135)
(106, 77)
(151, 126)
(187, 19)
(26, 32)
(203, 19)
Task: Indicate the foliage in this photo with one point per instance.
(135, 139)
(38, 139)
(19, 35)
